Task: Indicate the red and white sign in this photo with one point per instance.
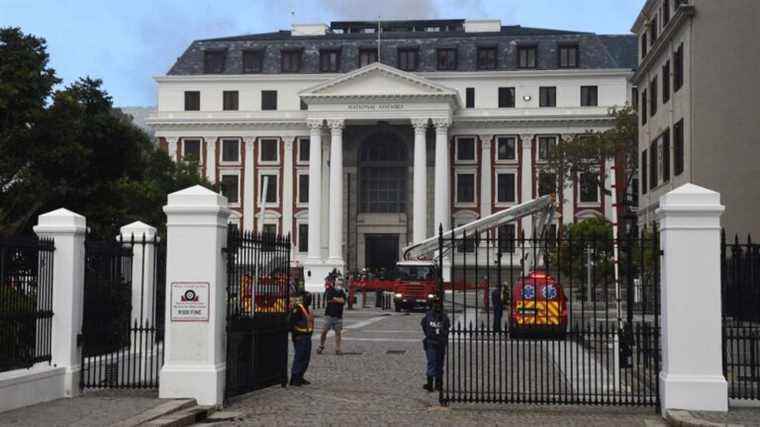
(190, 302)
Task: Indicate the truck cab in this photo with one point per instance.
(415, 284)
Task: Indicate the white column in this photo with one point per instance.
(419, 183)
(249, 195)
(442, 212)
(568, 191)
(141, 237)
(194, 351)
(486, 172)
(172, 147)
(313, 265)
(527, 179)
(335, 258)
(692, 372)
(211, 159)
(287, 186)
(67, 229)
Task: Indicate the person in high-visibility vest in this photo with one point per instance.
(301, 328)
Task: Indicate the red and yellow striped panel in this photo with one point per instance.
(541, 313)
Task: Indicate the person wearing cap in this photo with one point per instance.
(435, 326)
(335, 297)
(301, 327)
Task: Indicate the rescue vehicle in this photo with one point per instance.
(538, 307)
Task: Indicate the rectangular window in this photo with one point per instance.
(367, 56)
(678, 148)
(644, 107)
(506, 97)
(291, 61)
(192, 100)
(268, 100)
(568, 56)
(230, 188)
(653, 30)
(506, 238)
(653, 154)
(653, 96)
(192, 150)
(271, 188)
(487, 58)
(546, 145)
(635, 98)
(230, 150)
(465, 188)
(269, 229)
(547, 183)
(268, 150)
(678, 69)
(329, 61)
(253, 61)
(303, 106)
(447, 59)
(589, 96)
(505, 188)
(465, 149)
(526, 57)
(470, 97)
(644, 45)
(547, 96)
(230, 100)
(506, 148)
(666, 82)
(589, 189)
(665, 12)
(303, 150)
(407, 59)
(213, 61)
(644, 172)
(666, 156)
(303, 188)
(303, 238)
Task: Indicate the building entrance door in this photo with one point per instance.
(381, 251)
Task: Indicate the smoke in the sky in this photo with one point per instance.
(401, 9)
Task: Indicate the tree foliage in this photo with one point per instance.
(71, 148)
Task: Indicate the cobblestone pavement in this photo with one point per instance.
(369, 386)
(736, 416)
(101, 408)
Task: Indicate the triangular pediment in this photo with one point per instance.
(378, 80)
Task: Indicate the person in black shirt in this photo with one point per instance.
(301, 327)
(335, 297)
(435, 325)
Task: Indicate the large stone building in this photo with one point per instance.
(419, 124)
(698, 116)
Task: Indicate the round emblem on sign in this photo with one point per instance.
(528, 292)
(190, 295)
(550, 292)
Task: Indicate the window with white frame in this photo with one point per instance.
(506, 238)
(231, 187)
(506, 148)
(547, 183)
(506, 187)
(588, 188)
(191, 150)
(465, 149)
(303, 188)
(545, 146)
(465, 188)
(231, 150)
(268, 187)
(269, 229)
(303, 150)
(303, 237)
(269, 150)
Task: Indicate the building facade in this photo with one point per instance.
(697, 89)
(358, 142)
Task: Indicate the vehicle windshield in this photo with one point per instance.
(415, 272)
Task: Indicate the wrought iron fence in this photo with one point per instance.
(26, 301)
(740, 274)
(552, 320)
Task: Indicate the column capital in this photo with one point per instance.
(170, 139)
(288, 140)
(527, 140)
(315, 124)
(486, 140)
(442, 124)
(336, 124)
(420, 125)
(567, 136)
(249, 140)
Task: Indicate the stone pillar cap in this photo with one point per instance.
(691, 197)
(60, 220)
(138, 229)
(196, 196)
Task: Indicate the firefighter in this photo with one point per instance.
(302, 326)
(435, 326)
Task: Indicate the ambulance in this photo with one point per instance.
(538, 307)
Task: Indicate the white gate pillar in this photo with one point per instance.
(195, 353)
(142, 238)
(692, 371)
(68, 230)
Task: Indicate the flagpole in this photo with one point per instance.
(379, 30)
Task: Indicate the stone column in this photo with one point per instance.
(568, 192)
(419, 186)
(335, 241)
(211, 159)
(141, 237)
(313, 265)
(526, 169)
(172, 147)
(249, 195)
(194, 349)
(67, 229)
(486, 172)
(287, 186)
(692, 372)
(442, 209)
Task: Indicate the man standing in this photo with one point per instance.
(435, 326)
(301, 326)
(498, 309)
(335, 298)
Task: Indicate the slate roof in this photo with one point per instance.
(596, 51)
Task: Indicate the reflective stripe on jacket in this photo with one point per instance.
(305, 322)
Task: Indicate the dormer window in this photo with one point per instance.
(213, 61)
(568, 56)
(291, 61)
(367, 56)
(526, 57)
(329, 61)
(253, 61)
(487, 58)
(447, 59)
(407, 59)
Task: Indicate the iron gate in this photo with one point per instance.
(258, 306)
(580, 322)
(740, 274)
(123, 331)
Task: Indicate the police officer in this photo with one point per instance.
(435, 326)
(498, 308)
(302, 326)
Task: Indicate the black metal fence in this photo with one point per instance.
(123, 324)
(740, 274)
(569, 319)
(258, 306)
(26, 301)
